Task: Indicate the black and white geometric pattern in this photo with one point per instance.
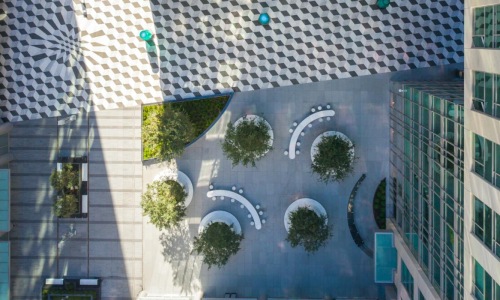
(57, 58)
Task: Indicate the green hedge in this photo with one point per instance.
(379, 205)
(199, 113)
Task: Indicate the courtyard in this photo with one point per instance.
(86, 59)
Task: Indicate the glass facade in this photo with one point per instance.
(407, 279)
(485, 288)
(427, 139)
(486, 31)
(487, 159)
(487, 226)
(486, 93)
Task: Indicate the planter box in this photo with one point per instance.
(79, 164)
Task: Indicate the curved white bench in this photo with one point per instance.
(181, 178)
(314, 147)
(242, 200)
(255, 118)
(222, 217)
(304, 202)
(302, 125)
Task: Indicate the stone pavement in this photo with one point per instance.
(108, 244)
(266, 265)
(59, 57)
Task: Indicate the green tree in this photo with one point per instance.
(308, 229)
(217, 243)
(333, 160)
(163, 202)
(247, 142)
(66, 205)
(165, 132)
(65, 181)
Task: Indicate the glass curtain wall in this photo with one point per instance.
(427, 176)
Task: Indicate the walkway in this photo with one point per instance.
(87, 52)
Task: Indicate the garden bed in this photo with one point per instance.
(379, 205)
(70, 290)
(201, 113)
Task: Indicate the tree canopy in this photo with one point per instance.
(333, 160)
(217, 243)
(247, 142)
(307, 229)
(163, 202)
(165, 132)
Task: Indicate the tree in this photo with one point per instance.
(333, 160)
(165, 132)
(163, 202)
(247, 142)
(308, 229)
(66, 205)
(65, 181)
(217, 243)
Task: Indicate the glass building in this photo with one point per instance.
(427, 187)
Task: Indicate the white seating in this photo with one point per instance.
(84, 172)
(85, 204)
(242, 200)
(220, 216)
(59, 167)
(54, 281)
(89, 281)
(303, 124)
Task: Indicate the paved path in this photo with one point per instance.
(62, 56)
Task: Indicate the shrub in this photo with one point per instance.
(379, 205)
(307, 229)
(247, 142)
(65, 181)
(66, 205)
(163, 202)
(165, 132)
(217, 243)
(333, 160)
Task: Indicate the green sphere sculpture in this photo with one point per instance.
(145, 35)
(383, 3)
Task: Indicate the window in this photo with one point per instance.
(487, 160)
(487, 226)
(485, 288)
(486, 93)
(407, 279)
(486, 28)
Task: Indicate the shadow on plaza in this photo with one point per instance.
(177, 251)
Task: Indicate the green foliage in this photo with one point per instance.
(379, 205)
(58, 292)
(66, 205)
(333, 160)
(65, 181)
(193, 116)
(217, 243)
(165, 132)
(202, 113)
(247, 142)
(308, 229)
(163, 202)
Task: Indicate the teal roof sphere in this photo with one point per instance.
(264, 19)
(145, 35)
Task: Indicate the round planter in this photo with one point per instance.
(314, 147)
(304, 202)
(222, 217)
(255, 119)
(181, 178)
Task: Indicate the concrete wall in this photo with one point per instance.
(421, 282)
(487, 60)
